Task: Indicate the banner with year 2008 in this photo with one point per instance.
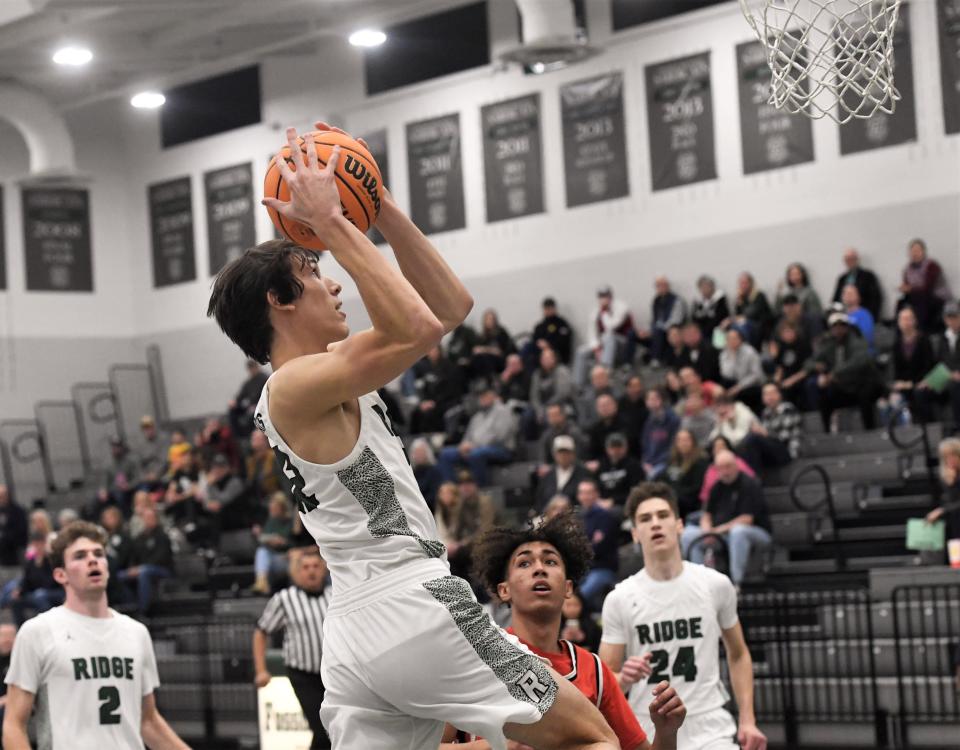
(171, 229)
(594, 140)
(56, 239)
(435, 173)
(680, 119)
(230, 224)
(512, 158)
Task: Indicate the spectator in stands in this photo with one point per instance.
(226, 497)
(65, 517)
(790, 354)
(701, 355)
(490, 438)
(578, 626)
(949, 508)
(460, 349)
(709, 309)
(552, 382)
(183, 498)
(179, 445)
(688, 381)
(552, 332)
(119, 545)
(263, 472)
(141, 501)
(242, 406)
(37, 590)
(912, 361)
(216, 439)
(871, 295)
(775, 439)
(151, 559)
(274, 538)
(558, 505)
(607, 335)
(741, 371)
(735, 420)
(675, 354)
(859, 316)
(617, 472)
(632, 408)
(121, 475)
(513, 383)
(13, 529)
(846, 373)
(564, 476)
(587, 402)
(808, 326)
(151, 449)
(425, 470)
(439, 386)
(717, 446)
(686, 470)
(492, 347)
(608, 422)
(8, 634)
(603, 530)
(736, 511)
(797, 283)
(658, 433)
(667, 310)
(948, 354)
(560, 423)
(751, 310)
(696, 418)
(459, 520)
(924, 287)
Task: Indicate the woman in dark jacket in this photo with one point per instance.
(912, 361)
(753, 309)
(686, 470)
(493, 345)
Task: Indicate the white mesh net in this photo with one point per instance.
(830, 58)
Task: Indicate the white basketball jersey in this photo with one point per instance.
(679, 622)
(89, 676)
(365, 511)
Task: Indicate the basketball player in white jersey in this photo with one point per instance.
(667, 621)
(90, 672)
(406, 646)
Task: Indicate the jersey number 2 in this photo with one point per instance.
(684, 665)
(110, 707)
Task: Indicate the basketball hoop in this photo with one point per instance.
(830, 58)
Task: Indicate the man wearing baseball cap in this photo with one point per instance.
(563, 477)
(610, 324)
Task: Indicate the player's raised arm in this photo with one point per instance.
(17, 714)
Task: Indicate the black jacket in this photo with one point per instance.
(13, 533)
(871, 295)
(547, 486)
(152, 548)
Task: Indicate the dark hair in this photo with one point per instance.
(69, 534)
(238, 301)
(804, 276)
(647, 490)
(724, 400)
(493, 549)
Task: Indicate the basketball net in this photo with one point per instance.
(830, 58)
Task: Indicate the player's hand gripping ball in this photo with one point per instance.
(358, 182)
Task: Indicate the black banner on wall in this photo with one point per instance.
(771, 137)
(171, 229)
(377, 141)
(3, 244)
(512, 158)
(948, 22)
(230, 228)
(882, 129)
(56, 240)
(436, 174)
(594, 140)
(680, 116)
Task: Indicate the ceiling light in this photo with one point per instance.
(73, 56)
(148, 100)
(367, 38)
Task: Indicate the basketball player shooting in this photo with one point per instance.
(406, 647)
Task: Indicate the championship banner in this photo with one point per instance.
(771, 138)
(512, 158)
(594, 140)
(56, 240)
(881, 129)
(948, 26)
(377, 141)
(680, 116)
(230, 225)
(171, 230)
(436, 174)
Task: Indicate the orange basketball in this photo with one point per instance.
(358, 179)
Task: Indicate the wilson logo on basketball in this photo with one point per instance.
(367, 181)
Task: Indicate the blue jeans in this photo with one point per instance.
(583, 360)
(267, 562)
(9, 587)
(145, 582)
(477, 459)
(595, 582)
(740, 541)
(39, 600)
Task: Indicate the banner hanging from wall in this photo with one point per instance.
(948, 23)
(881, 129)
(3, 244)
(171, 229)
(771, 138)
(377, 141)
(56, 239)
(435, 172)
(230, 225)
(680, 118)
(594, 140)
(512, 158)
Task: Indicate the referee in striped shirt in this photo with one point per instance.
(298, 611)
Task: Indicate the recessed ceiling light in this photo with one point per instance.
(148, 100)
(73, 56)
(367, 38)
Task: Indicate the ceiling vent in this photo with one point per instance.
(551, 38)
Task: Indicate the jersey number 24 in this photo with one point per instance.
(684, 665)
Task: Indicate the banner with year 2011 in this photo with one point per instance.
(512, 158)
(594, 140)
(56, 239)
(230, 225)
(948, 23)
(171, 229)
(680, 118)
(377, 141)
(435, 172)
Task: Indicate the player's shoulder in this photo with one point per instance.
(129, 624)
(620, 592)
(40, 625)
(715, 581)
